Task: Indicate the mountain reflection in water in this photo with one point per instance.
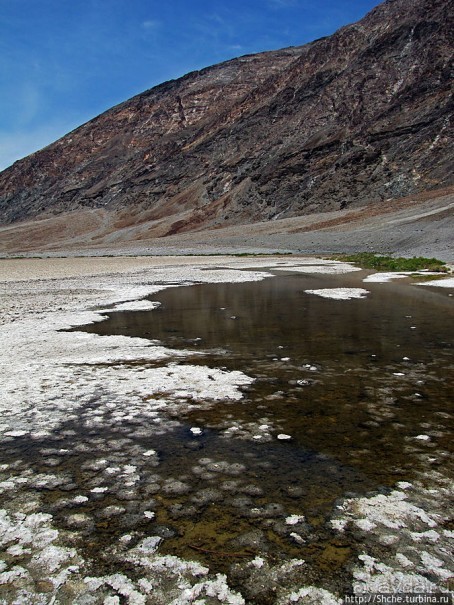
(351, 382)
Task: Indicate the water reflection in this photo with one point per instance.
(351, 382)
(253, 319)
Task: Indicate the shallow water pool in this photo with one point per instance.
(348, 398)
(348, 385)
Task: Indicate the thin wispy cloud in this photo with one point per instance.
(29, 103)
(151, 24)
(216, 25)
(282, 3)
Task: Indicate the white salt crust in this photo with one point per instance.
(310, 595)
(302, 265)
(46, 376)
(63, 368)
(382, 278)
(447, 282)
(339, 293)
(408, 531)
(322, 267)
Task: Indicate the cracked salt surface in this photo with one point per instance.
(50, 377)
(415, 562)
(64, 372)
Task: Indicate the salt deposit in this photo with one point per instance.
(383, 277)
(406, 529)
(101, 398)
(322, 267)
(294, 519)
(446, 282)
(339, 293)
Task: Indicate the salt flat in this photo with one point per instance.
(50, 378)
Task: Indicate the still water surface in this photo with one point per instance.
(352, 382)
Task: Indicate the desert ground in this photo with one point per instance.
(421, 225)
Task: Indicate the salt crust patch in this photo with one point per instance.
(63, 372)
(41, 558)
(310, 595)
(63, 369)
(294, 519)
(381, 278)
(339, 293)
(447, 282)
(136, 305)
(326, 268)
(303, 265)
(407, 531)
(392, 511)
(374, 576)
(290, 263)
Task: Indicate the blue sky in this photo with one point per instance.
(62, 62)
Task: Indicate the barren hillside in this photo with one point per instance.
(355, 119)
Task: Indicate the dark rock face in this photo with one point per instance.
(358, 117)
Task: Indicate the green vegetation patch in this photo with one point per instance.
(370, 260)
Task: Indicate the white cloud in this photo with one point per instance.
(152, 24)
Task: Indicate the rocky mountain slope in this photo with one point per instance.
(356, 118)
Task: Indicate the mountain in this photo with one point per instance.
(360, 117)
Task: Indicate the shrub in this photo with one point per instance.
(370, 260)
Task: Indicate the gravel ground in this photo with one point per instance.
(404, 228)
